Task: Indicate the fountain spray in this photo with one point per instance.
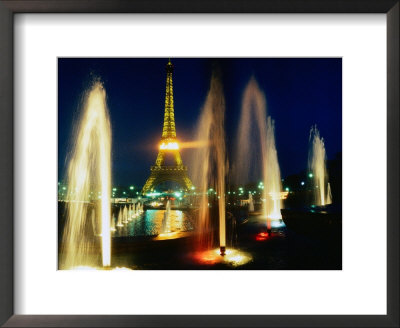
(211, 169)
(254, 117)
(317, 165)
(89, 169)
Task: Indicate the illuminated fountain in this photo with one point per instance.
(210, 170)
(89, 169)
(317, 165)
(125, 215)
(164, 228)
(251, 202)
(272, 176)
(113, 228)
(130, 213)
(119, 222)
(254, 117)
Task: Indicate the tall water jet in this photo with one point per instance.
(251, 202)
(317, 166)
(165, 218)
(113, 228)
(260, 146)
(130, 212)
(272, 179)
(210, 170)
(119, 222)
(89, 170)
(125, 215)
(168, 207)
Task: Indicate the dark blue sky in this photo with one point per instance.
(299, 93)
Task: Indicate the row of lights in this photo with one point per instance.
(240, 189)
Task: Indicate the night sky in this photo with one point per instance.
(299, 93)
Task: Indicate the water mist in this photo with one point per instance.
(89, 170)
(254, 117)
(209, 163)
(317, 165)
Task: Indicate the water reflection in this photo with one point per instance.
(150, 223)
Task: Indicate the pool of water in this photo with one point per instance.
(150, 223)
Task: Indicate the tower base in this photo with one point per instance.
(164, 173)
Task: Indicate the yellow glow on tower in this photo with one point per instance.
(169, 145)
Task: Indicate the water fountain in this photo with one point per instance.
(317, 165)
(251, 202)
(124, 215)
(130, 212)
(164, 228)
(210, 171)
(262, 146)
(272, 176)
(119, 222)
(113, 228)
(89, 170)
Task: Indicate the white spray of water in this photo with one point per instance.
(251, 203)
(317, 165)
(119, 222)
(164, 227)
(89, 169)
(254, 116)
(209, 162)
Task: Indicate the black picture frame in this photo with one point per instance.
(10, 7)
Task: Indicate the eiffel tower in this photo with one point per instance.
(169, 144)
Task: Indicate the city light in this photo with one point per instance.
(131, 187)
(153, 194)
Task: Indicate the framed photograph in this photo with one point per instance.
(199, 164)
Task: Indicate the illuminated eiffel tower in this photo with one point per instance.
(169, 144)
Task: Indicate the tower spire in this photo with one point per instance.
(169, 116)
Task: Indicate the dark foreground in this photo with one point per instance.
(283, 249)
(310, 240)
